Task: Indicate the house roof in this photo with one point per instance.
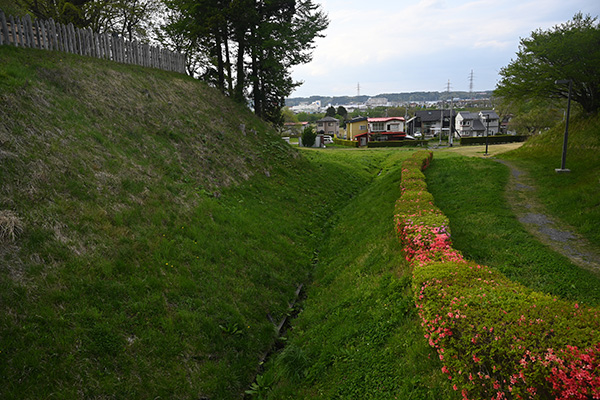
(433, 115)
(478, 125)
(490, 113)
(386, 119)
(328, 119)
(468, 115)
(357, 119)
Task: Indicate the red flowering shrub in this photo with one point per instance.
(576, 375)
(497, 339)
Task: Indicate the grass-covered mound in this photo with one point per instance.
(497, 339)
(471, 192)
(574, 197)
(151, 230)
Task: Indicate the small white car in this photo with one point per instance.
(327, 139)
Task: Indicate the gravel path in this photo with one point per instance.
(520, 194)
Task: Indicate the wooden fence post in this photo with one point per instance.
(100, 43)
(60, 37)
(52, 34)
(65, 38)
(23, 32)
(38, 34)
(91, 44)
(12, 31)
(70, 38)
(49, 35)
(28, 25)
(43, 34)
(106, 40)
(17, 30)
(78, 41)
(3, 29)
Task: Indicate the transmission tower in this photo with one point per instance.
(471, 84)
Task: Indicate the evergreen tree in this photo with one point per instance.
(268, 38)
(330, 112)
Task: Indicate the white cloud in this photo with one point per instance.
(391, 45)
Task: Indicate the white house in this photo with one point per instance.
(386, 124)
(475, 124)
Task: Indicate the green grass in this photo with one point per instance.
(358, 335)
(161, 222)
(470, 191)
(573, 197)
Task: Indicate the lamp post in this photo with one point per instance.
(564, 151)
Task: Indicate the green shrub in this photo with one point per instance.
(495, 337)
(495, 139)
(308, 136)
(398, 143)
(346, 143)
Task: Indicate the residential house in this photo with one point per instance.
(294, 128)
(382, 129)
(477, 124)
(329, 126)
(469, 124)
(387, 124)
(356, 126)
(491, 120)
(429, 122)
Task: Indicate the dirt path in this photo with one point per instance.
(520, 194)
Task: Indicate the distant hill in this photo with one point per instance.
(392, 97)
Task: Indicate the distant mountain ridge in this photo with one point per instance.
(392, 97)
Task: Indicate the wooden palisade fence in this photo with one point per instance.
(48, 35)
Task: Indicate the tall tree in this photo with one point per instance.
(567, 51)
(284, 37)
(60, 10)
(330, 112)
(251, 45)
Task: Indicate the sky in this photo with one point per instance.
(393, 46)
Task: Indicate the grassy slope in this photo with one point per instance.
(157, 232)
(573, 197)
(484, 228)
(358, 336)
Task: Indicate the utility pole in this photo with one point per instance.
(442, 122)
(451, 132)
(471, 84)
(358, 89)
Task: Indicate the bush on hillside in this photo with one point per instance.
(496, 338)
(492, 139)
(346, 143)
(398, 143)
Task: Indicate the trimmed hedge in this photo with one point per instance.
(496, 338)
(398, 143)
(347, 143)
(495, 139)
